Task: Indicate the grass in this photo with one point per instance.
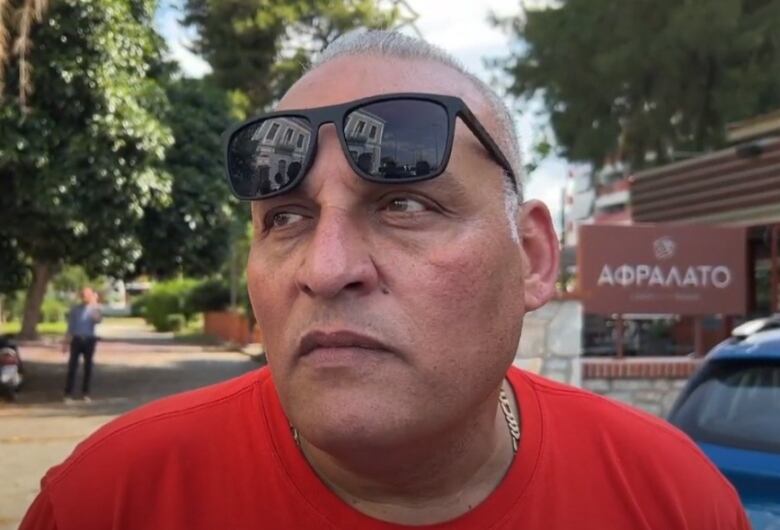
(192, 333)
(44, 328)
(57, 328)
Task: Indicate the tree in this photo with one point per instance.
(21, 15)
(188, 231)
(13, 269)
(260, 47)
(641, 80)
(78, 164)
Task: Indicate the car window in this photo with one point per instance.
(733, 403)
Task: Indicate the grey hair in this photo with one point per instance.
(394, 44)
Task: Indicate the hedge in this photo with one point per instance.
(165, 299)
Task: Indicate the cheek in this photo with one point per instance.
(467, 294)
(267, 287)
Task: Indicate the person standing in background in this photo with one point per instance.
(81, 339)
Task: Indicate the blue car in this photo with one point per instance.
(731, 409)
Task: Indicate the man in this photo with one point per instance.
(391, 308)
(80, 340)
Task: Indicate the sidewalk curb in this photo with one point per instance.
(254, 351)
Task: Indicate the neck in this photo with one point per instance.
(428, 481)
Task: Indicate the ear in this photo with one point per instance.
(541, 251)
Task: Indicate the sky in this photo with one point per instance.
(461, 28)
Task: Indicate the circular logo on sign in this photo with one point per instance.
(664, 247)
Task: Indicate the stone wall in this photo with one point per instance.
(651, 384)
(655, 396)
(551, 345)
(551, 341)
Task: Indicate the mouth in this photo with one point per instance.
(338, 346)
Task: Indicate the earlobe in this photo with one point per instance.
(541, 254)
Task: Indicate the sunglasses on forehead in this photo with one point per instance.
(392, 138)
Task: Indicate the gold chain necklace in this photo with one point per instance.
(503, 401)
(511, 421)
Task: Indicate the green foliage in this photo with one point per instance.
(187, 232)
(78, 166)
(175, 322)
(138, 306)
(240, 49)
(632, 79)
(70, 280)
(234, 269)
(13, 305)
(45, 328)
(14, 271)
(261, 47)
(66, 285)
(53, 310)
(209, 295)
(165, 299)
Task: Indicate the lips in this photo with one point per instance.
(339, 339)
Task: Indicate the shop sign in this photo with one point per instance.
(661, 268)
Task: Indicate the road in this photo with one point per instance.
(133, 366)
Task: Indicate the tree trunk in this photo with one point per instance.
(42, 273)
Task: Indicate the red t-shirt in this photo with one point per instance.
(223, 457)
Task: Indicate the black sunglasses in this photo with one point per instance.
(392, 138)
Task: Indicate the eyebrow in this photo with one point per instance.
(446, 183)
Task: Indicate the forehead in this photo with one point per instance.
(356, 76)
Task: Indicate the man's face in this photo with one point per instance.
(412, 295)
(88, 296)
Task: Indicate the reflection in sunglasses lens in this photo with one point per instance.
(266, 156)
(399, 139)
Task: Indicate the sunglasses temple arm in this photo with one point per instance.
(487, 141)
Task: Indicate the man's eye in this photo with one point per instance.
(405, 205)
(282, 219)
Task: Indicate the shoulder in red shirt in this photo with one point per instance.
(224, 457)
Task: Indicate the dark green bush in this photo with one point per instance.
(175, 322)
(13, 305)
(53, 310)
(168, 298)
(209, 295)
(138, 306)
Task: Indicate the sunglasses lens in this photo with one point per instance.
(268, 155)
(397, 139)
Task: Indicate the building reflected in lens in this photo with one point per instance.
(279, 152)
(363, 133)
(412, 140)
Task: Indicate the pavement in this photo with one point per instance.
(133, 366)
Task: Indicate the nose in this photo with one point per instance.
(338, 258)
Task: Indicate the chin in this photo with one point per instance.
(337, 424)
(347, 435)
